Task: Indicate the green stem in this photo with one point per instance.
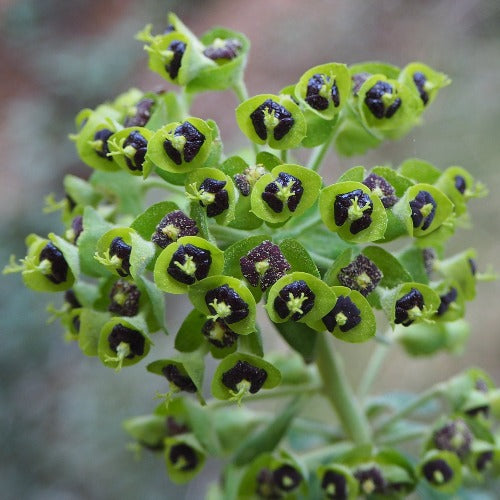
(373, 368)
(390, 440)
(229, 234)
(323, 262)
(326, 453)
(340, 394)
(319, 153)
(284, 155)
(423, 398)
(308, 389)
(292, 229)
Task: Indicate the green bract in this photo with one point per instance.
(289, 190)
(351, 210)
(181, 147)
(324, 89)
(272, 119)
(185, 262)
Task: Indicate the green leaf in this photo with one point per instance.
(156, 300)
(91, 323)
(300, 337)
(393, 272)
(145, 223)
(189, 337)
(298, 257)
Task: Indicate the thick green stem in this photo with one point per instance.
(340, 393)
(426, 396)
(373, 368)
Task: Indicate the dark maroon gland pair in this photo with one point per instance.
(284, 117)
(375, 103)
(313, 93)
(58, 265)
(123, 335)
(272, 190)
(272, 483)
(121, 250)
(194, 141)
(200, 259)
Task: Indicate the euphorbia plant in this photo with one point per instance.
(243, 231)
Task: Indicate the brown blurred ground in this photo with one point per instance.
(60, 411)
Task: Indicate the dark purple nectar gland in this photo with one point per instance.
(460, 184)
(357, 81)
(141, 115)
(355, 207)
(286, 189)
(247, 179)
(189, 264)
(447, 300)
(264, 265)
(420, 82)
(345, 315)
(320, 91)
(126, 342)
(219, 334)
(380, 100)
(381, 188)
(454, 436)
(100, 143)
(211, 195)
(484, 461)
(244, 377)
(296, 299)
(175, 427)
(71, 299)
(472, 266)
(76, 229)
(221, 49)
(334, 485)
(53, 265)
(271, 116)
(429, 256)
(183, 457)
(437, 471)
(361, 275)
(177, 379)
(124, 299)
(184, 144)
(423, 209)
(287, 478)
(173, 58)
(135, 147)
(119, 253)
(266, 488)
(370, 480)
(409, 308)
(225, 303)
(172, 227)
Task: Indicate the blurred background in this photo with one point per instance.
(60, 413)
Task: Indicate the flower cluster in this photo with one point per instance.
(236, 232)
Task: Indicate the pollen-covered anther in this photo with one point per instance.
(189, 263)
(382, 101)
(355, 208)
(295, 299)
(334, 485)
(345, 314)
(177, 379)
(409, 308)
(361, 275)
(423, 209)
(271, 117)
(264, 265)
(285, 190)
(246, 180)
(53, 264)
(454, 436)
(370, 480)
(184, 143)
(124, 299)
(381, 188)
(172, 227)
(183, 457)
(219, 334)
(211, 195)
(225, 303)
(437, 471)
(252, 376)
(223, 49)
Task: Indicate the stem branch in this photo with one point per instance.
(340, 394)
